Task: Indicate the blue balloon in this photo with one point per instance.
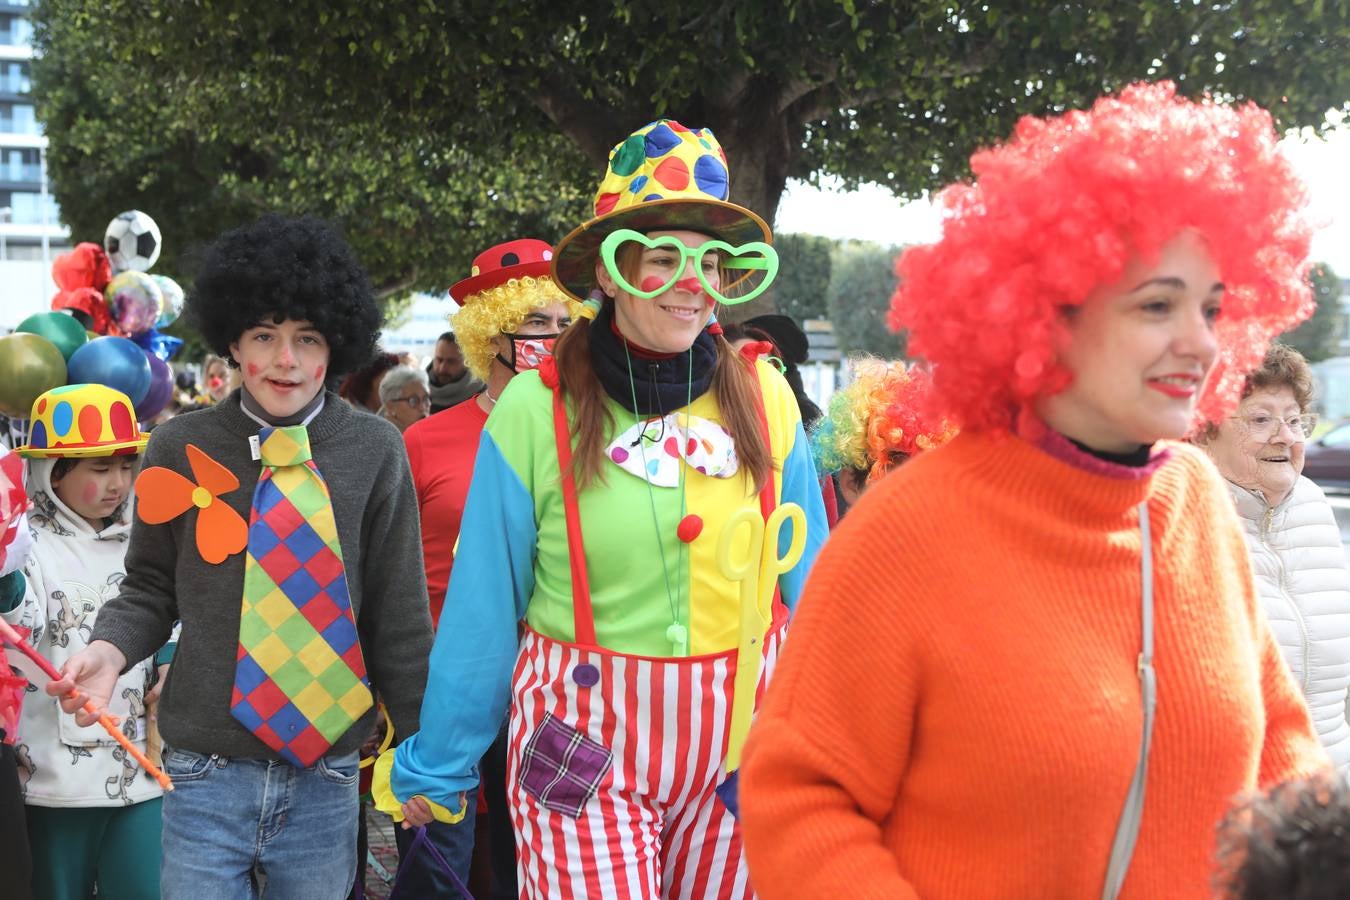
(114, 362)
(165, 346)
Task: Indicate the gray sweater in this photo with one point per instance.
(363, 460)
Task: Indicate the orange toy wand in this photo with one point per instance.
(9, 635)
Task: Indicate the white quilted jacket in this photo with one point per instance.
(1304, 585)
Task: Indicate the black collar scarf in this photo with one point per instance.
(660, 385)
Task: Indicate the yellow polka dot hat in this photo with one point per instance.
(82, 420)
(662, 177)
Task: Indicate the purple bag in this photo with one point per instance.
(420, 844)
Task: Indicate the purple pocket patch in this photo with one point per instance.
(562, 768)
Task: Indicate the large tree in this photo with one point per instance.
(430, 128)
(862, 280)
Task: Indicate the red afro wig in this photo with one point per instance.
(1062, 207)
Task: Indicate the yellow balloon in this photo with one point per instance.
(29, 365)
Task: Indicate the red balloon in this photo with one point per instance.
(86, 266)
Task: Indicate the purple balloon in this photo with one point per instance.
(161, 389)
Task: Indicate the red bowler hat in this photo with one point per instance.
(497, 265)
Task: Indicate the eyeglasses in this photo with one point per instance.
(1266, 426)
(423, 401)
(754, 256)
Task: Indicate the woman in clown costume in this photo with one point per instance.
(618, 494)
(1051, 675)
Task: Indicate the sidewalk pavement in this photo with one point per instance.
(382, 860)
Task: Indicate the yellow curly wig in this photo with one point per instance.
(500, 310)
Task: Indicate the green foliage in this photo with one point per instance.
(1319, 338)
(861, 284)
(141, 127)
(433, 128)
(803, 275)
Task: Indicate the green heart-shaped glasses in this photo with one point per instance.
(752, 257)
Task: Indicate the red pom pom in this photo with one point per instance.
(753, 350)
(715, 328)
(691, 527)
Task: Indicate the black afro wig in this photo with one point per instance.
(281, 268)
(1292, 843)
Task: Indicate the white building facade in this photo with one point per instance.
(31, 233)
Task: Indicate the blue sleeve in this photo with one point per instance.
(801, 485)
(469, 683)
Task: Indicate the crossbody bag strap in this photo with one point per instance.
(1132, 815)
(583, 619)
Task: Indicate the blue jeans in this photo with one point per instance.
(231, 824)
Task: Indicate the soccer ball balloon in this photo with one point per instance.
(132, 241)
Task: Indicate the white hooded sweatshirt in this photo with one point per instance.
(72, 571)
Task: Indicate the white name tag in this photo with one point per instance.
(254, 448)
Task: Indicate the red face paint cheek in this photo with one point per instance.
(652, 283)
(89, 493)
(253, 369)
(318, 373)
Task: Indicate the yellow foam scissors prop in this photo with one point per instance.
(757, 577)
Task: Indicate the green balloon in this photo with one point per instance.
(29, 365)
(63, 330)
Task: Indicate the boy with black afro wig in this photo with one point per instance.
(287, 268)
(280, 527)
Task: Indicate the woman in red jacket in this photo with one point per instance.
(1050, 674)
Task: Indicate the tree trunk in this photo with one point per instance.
(760, 143)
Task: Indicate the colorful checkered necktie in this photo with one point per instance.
(300, 681)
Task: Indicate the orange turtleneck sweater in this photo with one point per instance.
(957, 711)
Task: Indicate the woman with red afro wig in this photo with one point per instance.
(1030, 663)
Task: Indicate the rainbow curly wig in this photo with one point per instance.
(885, 412)
(1063, 206)
(500, 310)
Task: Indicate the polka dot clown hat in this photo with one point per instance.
(82, 420)
(524, 258)
(662, 177)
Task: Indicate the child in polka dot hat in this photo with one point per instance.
(79, 789)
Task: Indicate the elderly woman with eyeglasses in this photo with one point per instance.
(1292, 534)
(404, 396)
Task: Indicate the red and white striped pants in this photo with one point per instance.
(636, 746)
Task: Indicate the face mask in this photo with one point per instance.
(527, 350)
